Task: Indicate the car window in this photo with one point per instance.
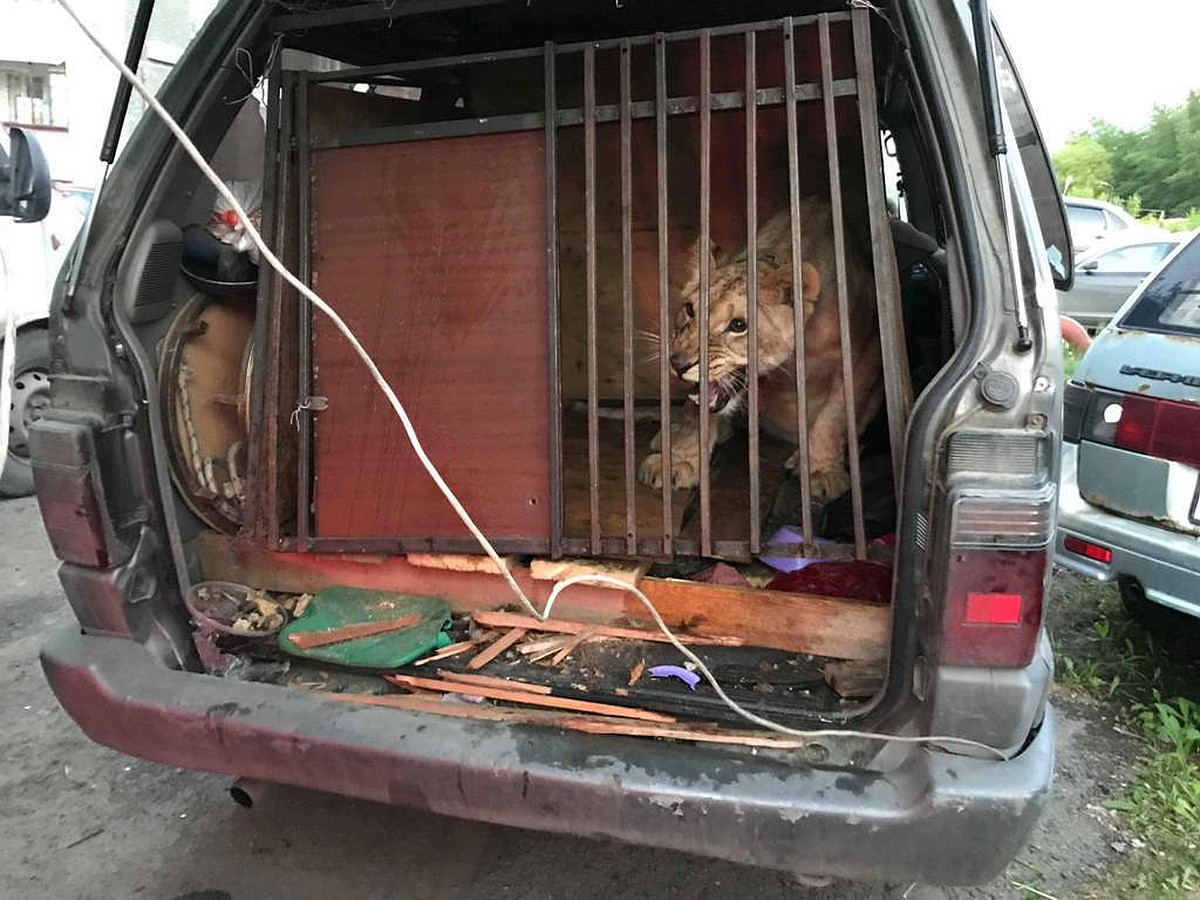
(1134, 258)
(1085, 219)
(1171, 301)
(1115, 223)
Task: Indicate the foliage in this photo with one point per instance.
(1158, 164)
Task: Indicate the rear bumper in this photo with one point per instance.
(1166, 563)
(936, 817)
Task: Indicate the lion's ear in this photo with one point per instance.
(810, 286)
(692, 260)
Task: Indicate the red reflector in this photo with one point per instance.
(993, 609)
(1091, 551)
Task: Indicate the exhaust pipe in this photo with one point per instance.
(247, 792)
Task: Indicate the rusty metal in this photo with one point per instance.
(640, 109)
(896, 379)
(589, 215)
(753, 451)
(260, 511)
(705, 286)
(843, 296)
(793, 154)
(554, 351)
(627, 304)
(664, 286)
(303, 419)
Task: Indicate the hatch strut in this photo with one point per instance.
(990, 87)
(112, 134)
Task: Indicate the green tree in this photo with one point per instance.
(1083, 166)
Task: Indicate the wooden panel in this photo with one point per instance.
(434, 252)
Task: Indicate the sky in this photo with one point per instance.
(1087, 59)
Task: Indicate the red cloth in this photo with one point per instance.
(851, 579)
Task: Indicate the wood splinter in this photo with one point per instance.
(482, 659)
(311, 639)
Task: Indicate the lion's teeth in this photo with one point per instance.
(695, 398)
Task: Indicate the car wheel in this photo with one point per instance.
(1153, 616)
(31, 394)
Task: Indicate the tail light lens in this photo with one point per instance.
(1162, 428)
(996, 578)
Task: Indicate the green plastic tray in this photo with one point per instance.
(338, 606)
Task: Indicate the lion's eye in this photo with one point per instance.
(737, 325)
(689, 310)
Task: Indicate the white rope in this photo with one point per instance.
(415, 441)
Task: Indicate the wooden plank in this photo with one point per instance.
(446, 653)
(515, 620)
(504, 684)
(426, 703)
(499, 646)
(630, 572)
(405, 234)
(460, 562)
(802, 623)
(310, 639)
(855, 679)
(570, 647)
(516, 696)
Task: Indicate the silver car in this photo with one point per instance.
(1111, 270)
(1094, 220)
(1129, 504)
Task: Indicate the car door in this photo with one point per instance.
(1105, 281)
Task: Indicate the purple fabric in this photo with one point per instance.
(691, 679)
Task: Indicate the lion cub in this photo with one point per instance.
(775, 367)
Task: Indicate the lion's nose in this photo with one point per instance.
(681, 362)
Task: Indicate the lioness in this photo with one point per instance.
(775, 366)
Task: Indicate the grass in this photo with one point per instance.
(1152, 678)
(1070, 361)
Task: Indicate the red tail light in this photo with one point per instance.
(1162, 428)
(993, 607)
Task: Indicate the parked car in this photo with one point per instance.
(1094, 220)
(31, 255)
(459, 181)
(1109, 272)
(1129, 502)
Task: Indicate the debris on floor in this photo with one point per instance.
(855, 679)
(386, 630)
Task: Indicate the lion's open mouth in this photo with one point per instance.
(720, 394)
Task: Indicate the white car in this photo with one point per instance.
(31, 256)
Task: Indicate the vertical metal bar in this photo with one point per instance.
(261, 506)
(752, 284)
(664, 307)
(789, 88)
(552, 304)
(589, 203)
(896, 380)
(843, 299)
(705, 284)
(627, 300)
(304, 468)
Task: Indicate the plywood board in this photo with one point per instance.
(435, 254)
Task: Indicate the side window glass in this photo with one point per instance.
(1052, 219)
(1137, 258)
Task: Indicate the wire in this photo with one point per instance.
(436, 476)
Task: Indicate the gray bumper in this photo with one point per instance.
(936, 817)
(1166, 563)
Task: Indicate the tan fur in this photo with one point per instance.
(822, 378)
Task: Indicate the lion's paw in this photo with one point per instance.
(683, 473)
